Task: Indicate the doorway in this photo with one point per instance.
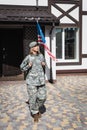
(11, 51)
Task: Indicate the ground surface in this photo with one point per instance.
(66, 105)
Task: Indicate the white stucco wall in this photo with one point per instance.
(47, 58)
(84, 5)
(84, 34)
(53, 44)
(74, 13)
(73, 67)
(24, 2)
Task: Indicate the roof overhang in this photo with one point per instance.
(27, 15)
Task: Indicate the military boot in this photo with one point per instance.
(36, 116)
(39, 114)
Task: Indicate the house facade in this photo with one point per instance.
(64, 25)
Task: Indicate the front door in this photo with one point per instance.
(11, 49)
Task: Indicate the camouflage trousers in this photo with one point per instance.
(37, 97)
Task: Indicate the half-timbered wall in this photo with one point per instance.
(84, 33)
(70, 15)
(84, 27)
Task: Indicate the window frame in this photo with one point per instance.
(63, 60)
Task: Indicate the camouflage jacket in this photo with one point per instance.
(35, 74)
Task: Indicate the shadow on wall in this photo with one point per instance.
(49, 72)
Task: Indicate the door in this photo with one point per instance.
(11, 48)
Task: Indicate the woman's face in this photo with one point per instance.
(36, 48)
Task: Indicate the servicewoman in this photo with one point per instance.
(35, 79)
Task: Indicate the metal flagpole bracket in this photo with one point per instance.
(37, 19)
(32, 18)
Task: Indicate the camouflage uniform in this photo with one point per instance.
(35, 81)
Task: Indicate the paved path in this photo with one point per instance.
(66, 105)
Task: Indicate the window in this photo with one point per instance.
(67, 44)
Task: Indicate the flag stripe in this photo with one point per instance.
(42, 41)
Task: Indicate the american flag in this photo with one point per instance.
(42, 41)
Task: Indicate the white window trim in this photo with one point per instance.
(63, 60)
